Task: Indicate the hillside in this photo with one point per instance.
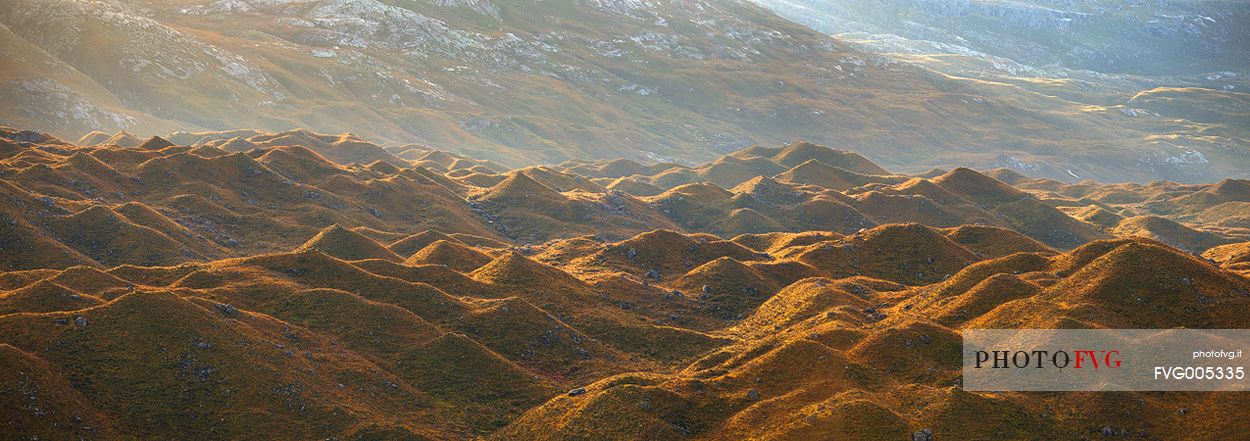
(164, 290)
(88, 205)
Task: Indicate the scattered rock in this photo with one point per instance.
(922, 435)
(698, 385)
(227, 309)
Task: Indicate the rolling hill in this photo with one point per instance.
(159, 289)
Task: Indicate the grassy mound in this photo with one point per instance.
(346, 244)
(45, 296)
(453, 254)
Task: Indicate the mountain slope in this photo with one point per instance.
(519, 84)
(1172, 71)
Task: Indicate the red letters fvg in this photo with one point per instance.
(1109, 358)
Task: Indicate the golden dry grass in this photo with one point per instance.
(277, 292)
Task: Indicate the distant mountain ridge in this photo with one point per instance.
(1115, 37)
(524, 83)
(1177, 72)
